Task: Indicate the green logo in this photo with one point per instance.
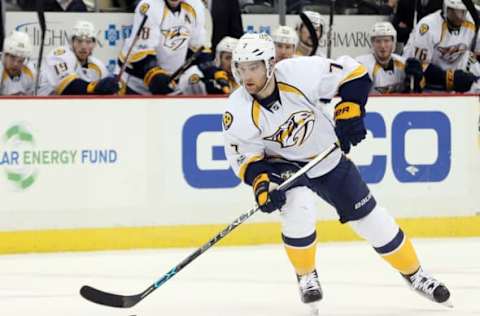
(16, 139)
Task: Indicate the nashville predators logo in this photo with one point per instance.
(295, 131)
(227, 120)
(451, 53)
(175, 37)
(144, 8)
(423, 28)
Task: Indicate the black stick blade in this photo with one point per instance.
(108, 299)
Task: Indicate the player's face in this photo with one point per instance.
(83, 47)
(226, 61)
(253, 75)
(456, 17)
(13, 64)
(284, 51)
(304, 35)
(174, 3)
(383, 47)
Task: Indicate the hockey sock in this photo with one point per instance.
(400, 254)
(383, 233)
(301, 252)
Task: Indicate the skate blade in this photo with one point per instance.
(448, 303)
(314, 310)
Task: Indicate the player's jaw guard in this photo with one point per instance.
(125, 301)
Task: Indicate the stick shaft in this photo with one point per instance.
(134, 42)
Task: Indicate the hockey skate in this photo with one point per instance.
(427, 286)
(310, 290)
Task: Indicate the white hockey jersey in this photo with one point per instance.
(191, 83)
(297, 128)
(432, 42)
(20, 85)
(385, 80)
(166, 34)
(61, 67)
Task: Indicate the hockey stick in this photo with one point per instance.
(134, 42)
(187, 64)
(330, 29)
(476, 19)
(125, 301)
(311, 30)
(415, 16)
(43, 28)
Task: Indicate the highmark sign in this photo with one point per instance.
(21, 156)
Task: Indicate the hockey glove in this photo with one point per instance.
(217, 79)
(158, 81)
(221, 78)
(108, 85)
(349, 125)
(267, 200)
(462, 80)
(414, 69)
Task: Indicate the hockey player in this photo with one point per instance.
(18, 74)
(286, 42)
(386, 69)
(223, 58)
(438, 49)
(275, 122)
(173, 28)
(74, 71)
(193, 81)
(305, 41)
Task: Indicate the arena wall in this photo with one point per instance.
(119, 173)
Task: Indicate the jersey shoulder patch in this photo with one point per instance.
(227, 120)
(423, 28)
(144, 7)
(59, 51)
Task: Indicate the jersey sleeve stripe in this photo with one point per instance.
(152, 73)
(96, 69)
(64, 83)
(469, 25)
(356, 73)
(256, 113)
(285, 87)
(138, 56)
(27, 71)
(398, 64)
(189, 9)
(376, 69)
(244, 166)
(444, 30)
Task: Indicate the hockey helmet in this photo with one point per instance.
(384, 29)
(227, 44)
(18, 44)
(254, 47)
(84, 29)
(453, 4)
(285, 35)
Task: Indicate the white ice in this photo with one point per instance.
(246, 281)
